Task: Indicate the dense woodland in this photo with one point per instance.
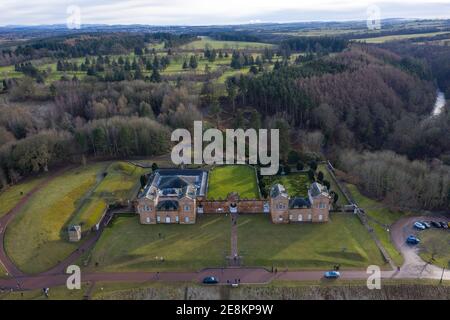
(330, 97)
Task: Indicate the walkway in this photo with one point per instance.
(234, 260)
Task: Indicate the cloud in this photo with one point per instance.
(206, 12)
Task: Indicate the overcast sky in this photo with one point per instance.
(207, 12)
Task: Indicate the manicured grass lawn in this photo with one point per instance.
(343, 240)
(296, 184)
(56, 293)
(10, 197)
(130, 246)
(120, 184)
(36, 239)
(437, 242)
(383, 215)
(234, 178)
(215, 44)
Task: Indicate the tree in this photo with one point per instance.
(320, 176)
(313, 165)
(231, 91)
(154, 166)
(155, 77)
(185, 65)
(193, 64)
(327, 184)
(311, 175)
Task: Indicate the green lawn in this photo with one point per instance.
(130, 246)
(435, 243)
(233, 178)
(343, 240)
(383, 216)
(296, 184)
(120, 184)
(10, 197)
(35, 240)
(55, 293)
(206, 42)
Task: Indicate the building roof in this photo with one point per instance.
(167, 205)
(278, 190)
(317, 189)
(176, 183)
(299, 203)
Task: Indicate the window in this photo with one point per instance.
(280, 206)
(300, 217)
(320, 217)
(148, 220)
(187, 208)
(291, 217)
(147, 208)
(168, 220)
(186, 219)
(322, 205)
(177, 219)
(280, 218)
(309, 217)
(158, 219)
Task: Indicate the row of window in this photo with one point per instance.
(300, 218)
(169, 219)
(282, 206)
(149, 209)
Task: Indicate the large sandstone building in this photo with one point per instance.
(178, 196)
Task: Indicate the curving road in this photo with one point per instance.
(414, 266)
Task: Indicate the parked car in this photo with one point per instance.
(210, 280)
(436, 224)
(419, 226)
(426, 224)
(413, 240)
(332, 275)
(444, 225)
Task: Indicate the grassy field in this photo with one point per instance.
(120, 184)
(35, 240)
(400, 37)
(343, 240)
(226, 179)
(436, 242)
(385, 217)
(56, 293)
(296, 184)
(130, 246)
(206, 42)
(10, 197)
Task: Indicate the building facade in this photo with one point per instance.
(178, 196)
(171, 196)
(284, 209)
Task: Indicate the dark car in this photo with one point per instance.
(210, 280)
(436, 224)
(412, 240)
(444, 225)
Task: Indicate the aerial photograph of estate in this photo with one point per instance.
(240, 151)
